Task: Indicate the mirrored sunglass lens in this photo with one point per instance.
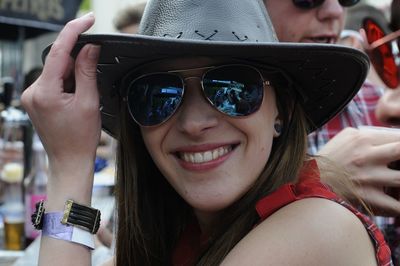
(382, 56)
(389, 67)
(234, 90)
(154, 98)
(307, 4)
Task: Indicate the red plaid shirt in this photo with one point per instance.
(359, 112)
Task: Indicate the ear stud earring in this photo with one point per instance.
(278, 129)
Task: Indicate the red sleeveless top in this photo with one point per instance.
(191, 244)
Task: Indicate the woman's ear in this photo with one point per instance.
(277, 128)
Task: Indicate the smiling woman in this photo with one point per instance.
(211, 114)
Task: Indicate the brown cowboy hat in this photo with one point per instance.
(325, 76)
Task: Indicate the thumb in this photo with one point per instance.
(86, 71)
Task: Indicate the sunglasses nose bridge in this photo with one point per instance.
(202, 89)
(194, 77)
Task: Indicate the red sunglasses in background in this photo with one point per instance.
(383, 51)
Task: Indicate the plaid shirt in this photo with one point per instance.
(359, 112)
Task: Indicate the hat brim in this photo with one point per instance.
(326, 76)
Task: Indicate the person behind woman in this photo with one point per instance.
(128, 19)
(201, 182)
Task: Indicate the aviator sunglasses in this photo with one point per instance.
(309, 4)
(235, 90)
(383, 51)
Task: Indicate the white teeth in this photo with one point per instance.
(198, 157)
(221, 151)
(215, 154)
(208, 156)
(203, 157)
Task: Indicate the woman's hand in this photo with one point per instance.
(63, 105)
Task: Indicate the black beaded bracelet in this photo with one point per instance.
(80, 215)
(37, 216)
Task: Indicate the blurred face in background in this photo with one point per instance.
(130, 29)
(321, 24)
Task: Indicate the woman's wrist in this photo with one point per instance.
(56, 198)
(74, 184)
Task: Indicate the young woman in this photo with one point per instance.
(211, 114)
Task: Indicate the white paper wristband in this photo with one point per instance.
(52, 227)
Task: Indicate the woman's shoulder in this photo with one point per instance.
(306, 232)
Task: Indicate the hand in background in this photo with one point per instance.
(366, 154)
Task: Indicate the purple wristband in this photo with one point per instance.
(52, 227)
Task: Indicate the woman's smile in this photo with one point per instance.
(204, 157)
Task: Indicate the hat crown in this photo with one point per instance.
(212, 20)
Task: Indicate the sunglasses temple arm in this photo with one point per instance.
(383, 40)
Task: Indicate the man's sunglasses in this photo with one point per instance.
(309, 4)
(383, 51)
(235, 90)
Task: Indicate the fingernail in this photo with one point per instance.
(94, 51)
(88, 15)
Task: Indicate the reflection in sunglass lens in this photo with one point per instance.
(382, 56)
(308, 4)
(234, 90)
(152, 99)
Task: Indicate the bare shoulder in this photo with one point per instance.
(110, 262)
(308, 232)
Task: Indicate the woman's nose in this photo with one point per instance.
(388, 108)
(196, 115)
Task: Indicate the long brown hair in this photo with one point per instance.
(151, 215)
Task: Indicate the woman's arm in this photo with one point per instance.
(307, 232)
(63, 105)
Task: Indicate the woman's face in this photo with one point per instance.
(228, 153)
